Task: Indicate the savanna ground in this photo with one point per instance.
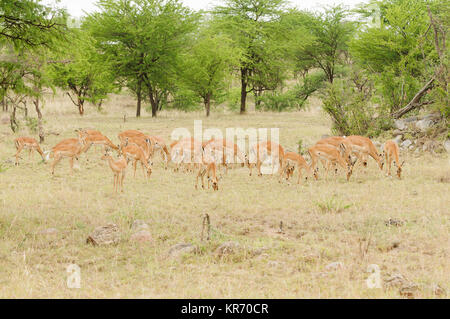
(323, 221)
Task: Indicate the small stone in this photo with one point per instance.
(334, 266)
(104, 235)
(423, 125)
(398, 139)
(393, 222)
(395, 280)
(49, 231)
(139, 224)
(182, 249)
(447, 145)
(406, 144)
(227, 248)
(438, 290)
(142, 236)
(400, 124)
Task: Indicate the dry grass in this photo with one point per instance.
(323, 221)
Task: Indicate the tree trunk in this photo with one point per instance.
(39, 115)
(153, 101)
(12, 120)
(139, 97)
(207, 102)
(244, 73)
(414, 103)
(81, 107)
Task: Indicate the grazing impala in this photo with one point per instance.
(391, 152)
(71, 148)
(365, 147)
(330, 155)
(158, 143)
(27, 143)
(130, 134)
(95, 138)
(131, 151)
(231, 151)
(261, 151)
(208, 167)
(292, 160)
(187, 151)
(118, 168)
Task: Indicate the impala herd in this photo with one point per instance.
(205, 157)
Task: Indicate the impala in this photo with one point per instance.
(231, 151)
(118, 168)
(365, 147)
(208, 167)
(391, 152)
(158, 143)
(132, 151)
(263, 150)
(27, 143)
(293, 160)
(330, 155)
(187, 151)
(71, 148)
(96, 138)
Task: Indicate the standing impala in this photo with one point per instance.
(186, 151)
(135, 152)
(391, 152)
(330, 155)
(118, 168)
(27, 143)
(231, 151)
(293, 160)
(71, 148)
(208, 167)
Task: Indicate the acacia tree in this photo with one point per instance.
(143, 40)
(253, 26)
(82, 71)
(319, 40)
(207, 65)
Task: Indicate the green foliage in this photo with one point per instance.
(332, 205)
(32, 124)
(300, 147)
(351, 111)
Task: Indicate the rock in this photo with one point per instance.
(142, 236)
(438, 290)
(334, 266)
(424, 124)
(394, 222)
(5, 119)
(447, 145)
(104, 235)
(408, 289)
(48, 231)
(400, 124)
(398, 139)
(432, 116)
(227, 248)
(406, 144)
(396, 280)
(411, 119)
(139, 224)
(182, 249)
(397, 132)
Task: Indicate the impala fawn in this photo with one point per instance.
(391, 152)
(118, 168)
(291, 161)
(27, 143)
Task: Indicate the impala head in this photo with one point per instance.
(399, 170)
(289, 170)
(215, 183)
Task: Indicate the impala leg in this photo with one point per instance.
(134, 167)
(19, 149)
(71, 165)
(299, 174)
(55, 161)
(121, 181)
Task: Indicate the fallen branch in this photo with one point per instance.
(414, 103)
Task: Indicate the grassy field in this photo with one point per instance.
(323, 221)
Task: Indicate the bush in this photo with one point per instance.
(352, 112)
